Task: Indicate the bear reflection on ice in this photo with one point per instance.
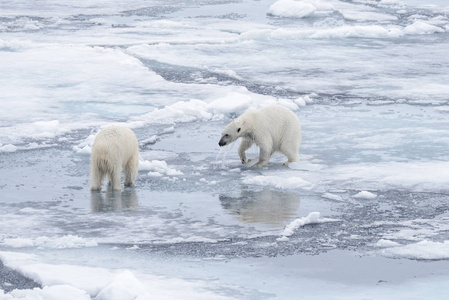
(273, 129)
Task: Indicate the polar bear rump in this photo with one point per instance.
(272, 128)
(114, 149)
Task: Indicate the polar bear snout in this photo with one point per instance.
(225, 140)
(222, 142)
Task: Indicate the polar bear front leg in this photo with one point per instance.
(245, 144)
(266, 150)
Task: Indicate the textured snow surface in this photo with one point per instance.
(367, 78)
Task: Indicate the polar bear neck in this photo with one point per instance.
(248, 122)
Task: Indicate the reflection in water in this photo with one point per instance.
(269, 207)
(114, 200)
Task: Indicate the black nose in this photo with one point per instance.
(221, 143)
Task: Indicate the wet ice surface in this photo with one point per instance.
(363, 215)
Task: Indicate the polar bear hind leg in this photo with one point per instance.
(96, 177)
(131, 170)
(101, 168)
(291, 152)
(114, 173)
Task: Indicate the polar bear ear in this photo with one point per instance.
(238, 130)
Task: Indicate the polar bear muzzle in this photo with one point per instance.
(225, 139)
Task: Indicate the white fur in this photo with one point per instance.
(114, 149)
(272, 128)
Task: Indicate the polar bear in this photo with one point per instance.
(114, 148)
(272, 128)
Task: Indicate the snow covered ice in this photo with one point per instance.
(363, 215)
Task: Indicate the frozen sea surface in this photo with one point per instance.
(363, 215)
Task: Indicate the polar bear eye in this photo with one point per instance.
(226, 135)
(238, 130)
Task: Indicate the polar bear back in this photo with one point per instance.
(116, 143)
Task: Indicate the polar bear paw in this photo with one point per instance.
(245, 161)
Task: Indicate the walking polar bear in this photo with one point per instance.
(114, 148)
(272, 128)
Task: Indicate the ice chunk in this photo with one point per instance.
(300, 101)
(204, 180)
(361, 31)
(14, 45)
(55, 292)
(369, 31)
(8, 148)
(47, 129)
(298, 9)
(382, 243)
(289, 8)
(158, 168)
(420, 27)
(232, 103)
(179, 112)
(368, 15)
(332, 197)
(415, 175)
(86, 150)
(85, 147)
(18, 242)
(125, 286)
(154, 174)
(149, 141)
(311, 218)
(426, 250)
(276, 181)
(90, 279)
(365, 195)
(68, 241)
(345, 31)
(288, 103)
(227, 72)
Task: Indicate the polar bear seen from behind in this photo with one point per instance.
(115, 148)
(272, 128)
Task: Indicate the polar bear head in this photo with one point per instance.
(230, 133)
